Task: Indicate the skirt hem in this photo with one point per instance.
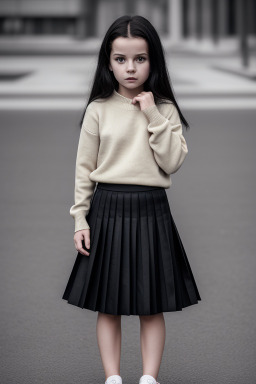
(131, 314)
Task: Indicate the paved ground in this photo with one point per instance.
(45, 340)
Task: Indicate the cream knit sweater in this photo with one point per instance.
(119, 143)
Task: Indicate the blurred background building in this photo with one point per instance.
(179, 19)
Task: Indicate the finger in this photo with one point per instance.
(141, 96)
(87, 242)
(83, 251)
(86, 238)
(78, 243)
(136, 98)
(80, 247)
(85, 246)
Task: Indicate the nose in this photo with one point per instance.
(130, 66)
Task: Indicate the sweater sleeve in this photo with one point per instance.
(86, 162)
(166, 139)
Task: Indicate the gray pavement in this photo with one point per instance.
(212, 198)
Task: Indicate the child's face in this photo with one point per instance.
(129, 58)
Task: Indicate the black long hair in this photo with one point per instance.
(158, 82)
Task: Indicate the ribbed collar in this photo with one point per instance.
(124, 102)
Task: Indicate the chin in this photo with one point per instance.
(133, 85)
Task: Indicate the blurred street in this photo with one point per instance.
(212, 200)
(200, 81)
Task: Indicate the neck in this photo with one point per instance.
(130, 94)
(124, 102)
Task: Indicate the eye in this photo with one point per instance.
(140, 57)
(119, 58)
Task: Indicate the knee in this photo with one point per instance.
(109, 316)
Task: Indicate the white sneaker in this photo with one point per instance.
(148, 379)
(114, 379)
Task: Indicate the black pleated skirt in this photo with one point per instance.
(137, 263)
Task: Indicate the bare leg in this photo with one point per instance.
(152, 338)
(108, 329)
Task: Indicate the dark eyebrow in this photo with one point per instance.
(120, 54)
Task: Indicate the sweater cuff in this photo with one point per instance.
(80, 222)
(153, 114)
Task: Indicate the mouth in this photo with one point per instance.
(130, 78)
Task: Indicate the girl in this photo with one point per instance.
(130, 260)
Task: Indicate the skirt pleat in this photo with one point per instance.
(137, 263)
